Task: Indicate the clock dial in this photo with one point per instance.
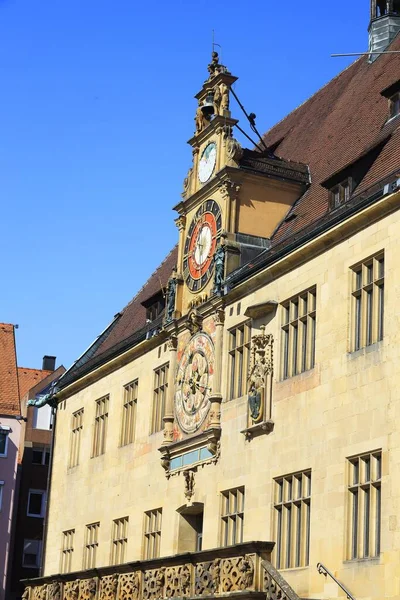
(200, 245)
(193, 383)
(207, 162)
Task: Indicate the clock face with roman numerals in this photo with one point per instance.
(201, 242)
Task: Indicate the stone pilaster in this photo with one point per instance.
(216, 395)
(169, 407)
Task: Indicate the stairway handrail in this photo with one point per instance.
(279, 580)
(322, 570)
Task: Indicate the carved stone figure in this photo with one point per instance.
(261, 365)
(129, 586)
(219, 268)
(194, 321)
(189, 484)
(171, 295)
(71, 590)
(54, 591)
(247, 570)
(217, 100)
(216, 573)
(214, 68)
(200, 119)
(224, 104)
(234, 150)
(26, 594)
(187, 181)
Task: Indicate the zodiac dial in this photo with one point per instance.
(193, 383)
(200, 245)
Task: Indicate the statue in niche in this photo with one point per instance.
(200, 119)
(219, 268)
(171, 296)
(261, 365)
(189, 484)
(217, 100)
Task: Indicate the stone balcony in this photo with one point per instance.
(240, 571)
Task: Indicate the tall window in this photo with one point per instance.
(232, 517)
(239, 353)
(159, 398)
(298, 333)
(364, 496)
(292, 503)
(368, 301)
(129, 413)
(152, 533)
(76, 436)
(100, 426)
(31, 554)
(119, 540)
(91, 545)
(3, 443)
(67, 550)
(394, 105)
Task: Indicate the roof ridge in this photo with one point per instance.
(33, 369)
(310, 97)
(148, 279)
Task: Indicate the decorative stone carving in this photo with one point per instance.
(237, 574)
(200, 120)
(189, 484)
(234, 150)
(203, 579)
(71, 590)
(177, 581)
(129, 586)
(219, 268)
(153, 584)
(247, 570)
(187, 183)
(261, 366)
(54, 591)
(181, 222)
(215, 68)
(194, 321)
(39, 592)
(216, 575)
(27, 593)
(87, 589)
(229, 189)
(275, 586)
(109, 587)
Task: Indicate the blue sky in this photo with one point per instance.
(95, 110)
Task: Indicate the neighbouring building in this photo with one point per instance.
(35, 450)
(237, 424)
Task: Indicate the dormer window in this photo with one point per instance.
(394, 105)
(340, 194)
(154, 306)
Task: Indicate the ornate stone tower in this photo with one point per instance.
(384, 25)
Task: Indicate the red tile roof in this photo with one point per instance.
(28, 378)
(9, 393)
(336, 126)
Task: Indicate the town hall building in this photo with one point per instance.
(235, 431)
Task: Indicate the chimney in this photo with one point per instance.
(384, 25)
(49, 363)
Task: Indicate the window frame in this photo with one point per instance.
(99, 442)
(6, 433)
(292, 519)
(76, 437)
(367, 302)
(394, 105)
(160, 391)
(38, 555)
(119, 543)
(43, 494)
(239, 359)
(129, 413)
(152, 528)
(91, 545)
(44, 451)
(232, 521)
(67, 550)
(341, 193)
(364, 506)
(298, 333)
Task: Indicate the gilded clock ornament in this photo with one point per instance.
(207, 162)
(201, 242)
(194, 383)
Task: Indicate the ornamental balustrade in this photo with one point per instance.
(243, 570)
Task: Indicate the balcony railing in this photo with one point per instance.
(242, 570)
